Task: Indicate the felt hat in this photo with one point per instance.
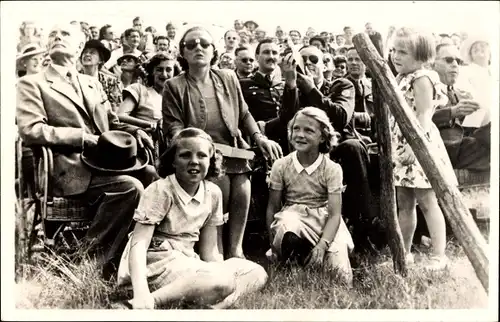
(104, 52)
(115, 152)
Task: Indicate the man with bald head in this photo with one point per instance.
(68, 112)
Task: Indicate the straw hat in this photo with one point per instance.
(29, 50)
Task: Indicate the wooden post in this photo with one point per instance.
(388, 210)
(448, 195)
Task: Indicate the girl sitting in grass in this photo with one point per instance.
(174, 213)
(308, 226)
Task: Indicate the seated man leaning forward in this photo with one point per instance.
(70, 112)
(468, 147)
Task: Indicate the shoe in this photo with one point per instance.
(410, 260)
(436, 263)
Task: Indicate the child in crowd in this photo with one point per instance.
(174, 213)
(309, 227)
(422, 91)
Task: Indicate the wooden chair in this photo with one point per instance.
(59, 222)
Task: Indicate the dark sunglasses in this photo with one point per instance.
(312, 58)
(191, 44)
(450, 60)
(247, 60)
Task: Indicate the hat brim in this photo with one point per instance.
(104, 52)
(140, 163)
(249, 22)
(120, 60)
(30, 53)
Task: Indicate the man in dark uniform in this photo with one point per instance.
(336, 98)
(263, 94)
(263, 90)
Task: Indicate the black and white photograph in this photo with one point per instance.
(250, 160)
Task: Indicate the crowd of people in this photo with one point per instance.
(174, 227)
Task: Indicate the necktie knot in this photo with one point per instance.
(268, 78)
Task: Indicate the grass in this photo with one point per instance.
(53, 282)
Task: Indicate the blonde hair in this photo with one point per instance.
(326, 128)
(422, 46)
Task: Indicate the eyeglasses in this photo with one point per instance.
(450, 60)
(247, 60)
(191, 44)
(312, 58)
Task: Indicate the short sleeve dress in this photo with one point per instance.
(148, 102)
(412, 175)
(305, 211)
(171, 251)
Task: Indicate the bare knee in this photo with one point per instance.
(224, 285)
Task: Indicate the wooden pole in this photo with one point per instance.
(388, 210)
(448, 195)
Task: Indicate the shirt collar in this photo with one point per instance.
(63, 70)
(310, 169)
(184, 196)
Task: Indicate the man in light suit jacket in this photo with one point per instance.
(68, 112)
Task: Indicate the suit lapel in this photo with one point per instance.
(64, 88)
(87, 90)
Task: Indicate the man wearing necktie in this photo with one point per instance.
(363, 108)
(68, 111)
(468, 148)
(262, 91)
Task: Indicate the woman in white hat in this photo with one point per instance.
(29, 61)
(476, 77)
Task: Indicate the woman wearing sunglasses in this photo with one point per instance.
(141, 104)
(211, 99)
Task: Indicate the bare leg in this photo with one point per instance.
(338, 260)
(203, 287)
(407, 214)
(434, 218)
(239, 203)
(224, 184)
(250, 277)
